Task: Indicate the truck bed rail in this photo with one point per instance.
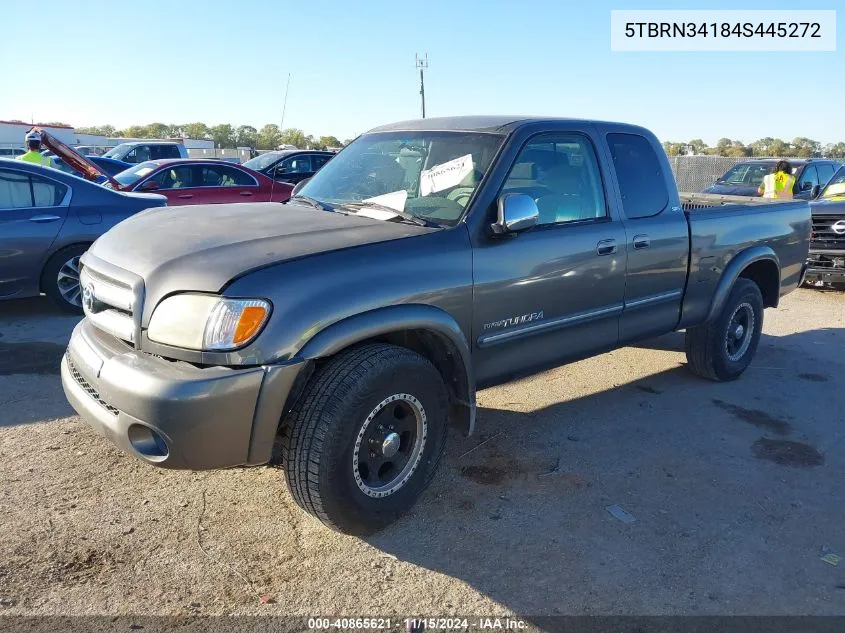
(691, 201)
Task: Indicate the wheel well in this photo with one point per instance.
(765, 274)
(52, 255)
(446, 358)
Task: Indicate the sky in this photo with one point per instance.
(351, 66)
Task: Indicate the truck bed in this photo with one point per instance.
(782, 226)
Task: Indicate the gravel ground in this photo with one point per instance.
(736, 489)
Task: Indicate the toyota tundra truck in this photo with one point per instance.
(429, 259)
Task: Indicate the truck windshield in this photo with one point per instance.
(134, 174)
(836, 187)
(118, 151)
(431, 175)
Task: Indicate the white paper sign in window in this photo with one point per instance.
(394, 199)
(445, 175)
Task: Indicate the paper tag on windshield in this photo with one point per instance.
(445, 175)
(394, 199)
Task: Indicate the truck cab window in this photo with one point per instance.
(641, 180)
(561, 174)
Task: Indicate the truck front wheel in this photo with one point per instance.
(722, 349)
(365, 437)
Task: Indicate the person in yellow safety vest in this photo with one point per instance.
(778, 184)
(33, 154)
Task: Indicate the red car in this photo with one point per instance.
(201, 181)
(181, 180)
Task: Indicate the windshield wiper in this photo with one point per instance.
(409, 217)
(312, 202)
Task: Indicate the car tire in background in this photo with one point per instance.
(365, 437)
(60, 278)
(722, 349)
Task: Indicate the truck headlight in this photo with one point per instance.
(206, 322)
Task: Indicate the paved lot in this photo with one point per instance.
(735, 488)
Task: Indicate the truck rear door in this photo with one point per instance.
(656, 235)
(553, 293)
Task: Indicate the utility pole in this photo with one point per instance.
(422, 64)
(285, 105)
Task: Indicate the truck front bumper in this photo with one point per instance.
(174, 414)
(826, 266)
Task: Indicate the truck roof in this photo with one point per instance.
(484, 123)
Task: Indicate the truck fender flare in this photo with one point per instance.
(393, 319)
(733, 271)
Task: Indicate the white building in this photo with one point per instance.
(12, 133)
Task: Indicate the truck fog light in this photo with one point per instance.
(147, 442)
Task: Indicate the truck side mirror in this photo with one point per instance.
(517, 212)
(814, 193)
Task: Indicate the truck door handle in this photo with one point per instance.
(43, 219)
(246, 193)
(606, 247)
(642, 241)
(186, 195)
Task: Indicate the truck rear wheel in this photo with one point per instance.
(365, 437)
(723, 349)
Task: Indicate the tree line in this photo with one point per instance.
(800, 147)
(225, 136)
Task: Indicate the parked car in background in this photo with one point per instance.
(182, 180)
(201, 181)
(48, 219)
(826, 263)
(108, 165)
(11, 152)
(744, 178)
(290, 166)
(90, 150)
(355, 323)
(142, 151)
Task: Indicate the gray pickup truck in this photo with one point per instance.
(428, 260)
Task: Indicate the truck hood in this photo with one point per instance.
(204, 247)
(828, 206)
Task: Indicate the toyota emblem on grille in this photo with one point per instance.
(88, 297)
(839, 227)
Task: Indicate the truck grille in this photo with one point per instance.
(825, 236)
(111, 303)
(86, 386)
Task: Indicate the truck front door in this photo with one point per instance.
(657, 238)
(555, 292)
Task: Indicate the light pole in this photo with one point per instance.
(422, 64)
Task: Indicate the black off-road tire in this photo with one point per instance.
(50, 277)
(706, 346)
(319, 435)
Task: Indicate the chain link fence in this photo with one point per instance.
(694, 173)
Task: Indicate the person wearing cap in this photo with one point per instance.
(778, 184)
(33, 154)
